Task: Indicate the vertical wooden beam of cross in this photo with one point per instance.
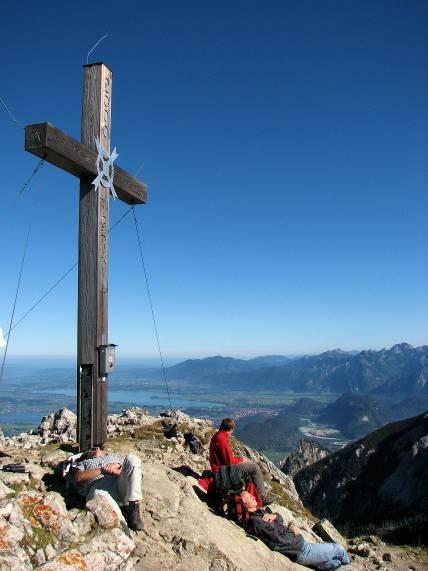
(92, 329)
(85, 161)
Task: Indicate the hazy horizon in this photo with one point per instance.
(169, 360)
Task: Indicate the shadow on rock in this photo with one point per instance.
(187, 471)
(71, 498)
(203, 496)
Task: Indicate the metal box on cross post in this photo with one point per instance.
(106, 360)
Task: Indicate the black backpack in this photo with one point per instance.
(170, 431)
(194, 443)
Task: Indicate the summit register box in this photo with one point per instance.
(107, 356)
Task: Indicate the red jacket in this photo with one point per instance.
(220, 451)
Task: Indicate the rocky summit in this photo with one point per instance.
(46, 526)
(306, 454)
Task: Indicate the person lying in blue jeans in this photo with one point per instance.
(270, 528)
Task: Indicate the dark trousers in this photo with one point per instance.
(235, 477)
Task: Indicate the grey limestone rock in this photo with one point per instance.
(182, 531)
(24, 441)
(10, 478)
(328, 532)
(84, 522)
(12, 555)
(58, 426)
(109, 550)
(35, 471)
(4, 490)
(52, 459)
(50, 513)
(15, 563)
(105, 509)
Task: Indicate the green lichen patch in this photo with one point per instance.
(23, 487)
(40, 539)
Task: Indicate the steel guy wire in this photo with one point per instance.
(151, 305)
(25, 186)
(43, 297)
(62, 278)
(11, 114)
(13, 326)
(35, 171)
(69, 270)
(27, 240)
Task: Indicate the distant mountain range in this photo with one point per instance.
(401, 370)
(211, 369)
(374, 387)
(353, 414)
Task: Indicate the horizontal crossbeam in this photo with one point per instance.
(46, 141)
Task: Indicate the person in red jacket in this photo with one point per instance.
(221, 453)
(229, 470)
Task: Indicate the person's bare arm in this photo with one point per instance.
(82, 476)
(111, 469)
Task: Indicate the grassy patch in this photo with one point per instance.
(236, 445)
(40, 539)
(295, 507)
(23, 487)
(420, 553)
(206, 438)
(149, 432)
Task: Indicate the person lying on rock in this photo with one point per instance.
(120, 476)
(230, 471)
(287, 539)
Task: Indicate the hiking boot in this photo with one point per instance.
(269, 499)
(133, 516)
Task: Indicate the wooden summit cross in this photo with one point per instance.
(84, 161)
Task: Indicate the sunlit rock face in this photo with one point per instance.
(306, 453)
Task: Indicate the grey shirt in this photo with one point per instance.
(93, 463)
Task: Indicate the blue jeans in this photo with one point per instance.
(323, 556)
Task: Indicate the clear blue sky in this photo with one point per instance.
(284, 146)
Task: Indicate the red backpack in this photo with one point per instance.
(228, 504)
(236, 510)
